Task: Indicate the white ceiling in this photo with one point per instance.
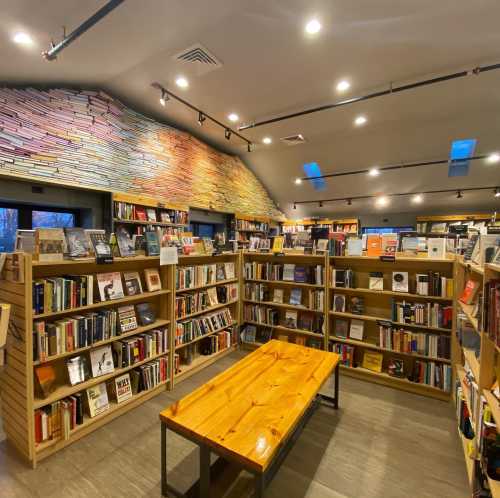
(270, 67)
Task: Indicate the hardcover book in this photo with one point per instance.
(101, 246)
(339, 303)
(110, 286)
(356, 330)
(123, 388)
(49, 244)
(469, 293)
(229, 270)
(132, 283)
(322, 245)
(45, 376)
(124, 241)
(300, 274)
(152, 243)
(278, 296)
(376, 281)
(341, 328)
(97, 399)
(306, 321)
(145, 314)
(400, 281)
(153, 282)
(101, 361)
(78, 370)
(278, 243)
(354, 247)
(389, 243)
(436, 248)
(208, 245)
(151, 214)
(372, 361)
(77, 242)
(357, 305)
(127, 319)
(373, 245)
(291, 319)
(288, 272)
(396, 368)
(296, 296)
(140, 213)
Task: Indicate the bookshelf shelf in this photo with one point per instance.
(282, 305)
(398, 258)
(368, 345)
(157, 324)
(206, 310)
(469, 462)
(206, 286)
(473, 362)
(144, 296)
(201, 362)
(199, 338)
(287, 329)
(494, 486)
(461, 377)
(65, 391)
(91, 261)
(361, 290)
(377, 318)
(467, 311)
(154, 223)
(494, 406)
(471, 266)
(286, 283)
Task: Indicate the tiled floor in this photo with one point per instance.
(382, 443)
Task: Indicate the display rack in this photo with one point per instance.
(425, 224)
(19, 396)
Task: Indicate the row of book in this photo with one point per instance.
(261, 292)
(464, 417)
(287, 272)
(292, 319)
(129, 351)
(492, 310)
(405, 341)
(80, 331)
(195, 302)
(57, 420)
(257, 226)
(53, 294)
(126, 211)
(188, 277)
(426, 314)
(187, 331)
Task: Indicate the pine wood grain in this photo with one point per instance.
(247, 411)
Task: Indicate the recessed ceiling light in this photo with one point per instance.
(313, 27)
(417, 199)
(493, 158)
(23, 38)
(233, 117)
(360, 121)
(267, 140)
(382, 201)
(298, 181)
(182, 82)
(374, 172)
(343, 85)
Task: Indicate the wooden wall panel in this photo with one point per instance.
(89, 139)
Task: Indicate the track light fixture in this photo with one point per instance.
(294, 206)
(164, 97)
(298, 181)
(497, 192)
(201, 118)
(349, 202)
(227, 134)
(459, 194)
(320, 204)
(249, 146)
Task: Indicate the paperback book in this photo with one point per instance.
(127, 319)
(145, 314)
(152, 243)
(101, 361)
(78, 370)
(77, 242)
(123, 388)
(97, 399)
(132, 283)
(153, 282)
(110, 286)
(125, 243)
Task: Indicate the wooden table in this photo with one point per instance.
(252, 413)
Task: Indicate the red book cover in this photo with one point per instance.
(469, 292)
(140, 213)
(38, 426)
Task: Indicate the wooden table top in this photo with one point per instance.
(247, 411)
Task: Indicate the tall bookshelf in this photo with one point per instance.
(245, 226)
(475, 362)
(307, 290)
(198, 292)
(441, 223)
(19, 396)
(350, 226)
(377, 312)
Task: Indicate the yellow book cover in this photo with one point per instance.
(449, 287)
(372, 361)
(278, 244)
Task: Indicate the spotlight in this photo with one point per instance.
(320, 204)
(343, 85)
(417, 199)
(294, 206)
(201, 118)
(493, 158)
(164, 97)
(22, 38)
(313, 27)
(374, 172)
(349, 202)
(233, 117)
(360, 120)
(298, 181)
(267, 140)
(382, 201)
(227, 134)
(182, 82)
(497, 192)
(459, 194)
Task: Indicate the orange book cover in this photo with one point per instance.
(469, 292)
(374, 245)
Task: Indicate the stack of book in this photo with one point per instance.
(432, 374)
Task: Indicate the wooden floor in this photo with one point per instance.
(382, 443)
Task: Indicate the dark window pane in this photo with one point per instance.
(8, 227)
(369, 230)
(205, 230)
(48, 219)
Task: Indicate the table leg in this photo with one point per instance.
(204, 471)
(259, 486)
(163, 459)
(336, 402)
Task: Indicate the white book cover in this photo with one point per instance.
(102, 361)
(436, 248)
(400, 281)
(289, 272)
(354, 247)
(356, 330)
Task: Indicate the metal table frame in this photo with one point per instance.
(201, 488)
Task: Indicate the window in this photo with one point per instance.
(369, 230)
(52, 219)
(203, 229)
(8, 226)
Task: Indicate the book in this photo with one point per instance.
(339, 303)
(354, 246)
(357, 305)
(422, 284)
(373, 245)
(45, 377)
(356, 330)
(289, 272)
(396, 368)
(229, 270)
(208, 245)
(278, 244)
(322, 245)
(125, 243)
(151, 214)
(153, 281)
(278, 296)
(389, 243)
(145, 313)
(132, 282)
(123, 388)
(306, 321)
(126, 318)
(372, 361)
(409, 246)
(469, 293)
(49, 244)
(101, 361)
(376, 281)
(140, 213)
(97, 399)
(300, 274)
(110, 286)
(400, 281)
(77, 242)
(341, 328)
(290, 319)
(152, 243)
(296, 296)
(25, 241)
(436, 248)
(78, 370)
(249, 333)
(100, 243)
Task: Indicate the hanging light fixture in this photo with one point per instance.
(227, 134)
(201, 118)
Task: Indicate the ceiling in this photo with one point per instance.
(270, 67)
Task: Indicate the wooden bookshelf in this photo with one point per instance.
(377, 307)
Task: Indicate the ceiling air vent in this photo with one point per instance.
(293, 139)
(199, 57)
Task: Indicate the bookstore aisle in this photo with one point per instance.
(382, 442)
